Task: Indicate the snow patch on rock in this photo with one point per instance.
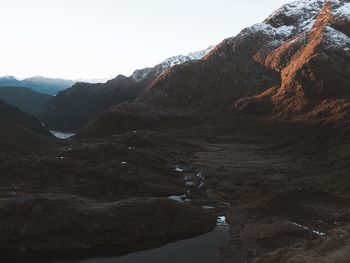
(343, 9)
(141, 74)
(288, 21)
(305, 9)
(282, 31)
(334, 39)
(301, 14)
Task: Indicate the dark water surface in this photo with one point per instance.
(203, 249)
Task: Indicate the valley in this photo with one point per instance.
(272, 194)
(237, 153)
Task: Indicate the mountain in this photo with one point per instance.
(43, 85)
(73, 108)
(9, 81)
(24, 99)
(281, 88)
(14, 115)
(278, 68)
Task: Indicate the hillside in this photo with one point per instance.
(75, 107)
(274, 70)
(24, 99)
(43, 85)
(277, 68)
(21, 133)
(12, 114)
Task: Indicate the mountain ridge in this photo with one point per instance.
(75, 107)
(263, 51)
(50, 86)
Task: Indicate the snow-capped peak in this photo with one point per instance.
(141, 74)
(289, 20)
(300, 9)
(300, 14)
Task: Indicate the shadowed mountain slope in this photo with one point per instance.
(24, 99)
(75, 107)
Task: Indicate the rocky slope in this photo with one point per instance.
(279, 67)
(11, 114)
(276, 69)
(24, 99)
(15, 141)
(333, 248)
(75, 107)
(21, 133)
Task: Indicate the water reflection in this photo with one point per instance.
(62, 135)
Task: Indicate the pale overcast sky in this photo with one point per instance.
(103, 38)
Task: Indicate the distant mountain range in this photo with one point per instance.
(43, 85)
(25, 99)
